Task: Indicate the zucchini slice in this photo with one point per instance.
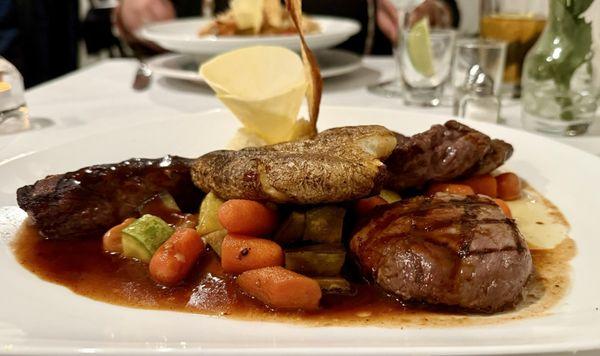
(144, 236)
(316, 260)
(324, 224)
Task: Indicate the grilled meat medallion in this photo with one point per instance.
(446, 249)
(338, 165)
(443, 153)
(89, 201)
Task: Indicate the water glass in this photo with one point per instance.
(14, 116)
(488, 55)
(424, 74)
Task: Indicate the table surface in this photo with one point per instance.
(100, 97)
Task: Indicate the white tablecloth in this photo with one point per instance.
(100, 97)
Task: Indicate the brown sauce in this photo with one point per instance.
(84, 268)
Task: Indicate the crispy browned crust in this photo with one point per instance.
(338, 165)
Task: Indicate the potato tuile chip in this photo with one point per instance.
(315, 82)
(244, 138)
(248, 14)
(263, 86)
(273, 13)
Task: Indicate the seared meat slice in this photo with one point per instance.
(443, 153)
(446, 249)
(87, 202)
(337, 165)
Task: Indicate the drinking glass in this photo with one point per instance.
(519, 24)
(14, 116)
(393, 88)
(489, 55)
(424, 74)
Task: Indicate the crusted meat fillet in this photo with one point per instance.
(447, 249)
(87, 202)
(443, 153)
(337, 165)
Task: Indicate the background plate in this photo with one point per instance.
(332, 62)
(40, 317)
(181, 36)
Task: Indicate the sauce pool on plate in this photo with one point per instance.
(83, 267)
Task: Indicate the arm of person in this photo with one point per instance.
(130, 15)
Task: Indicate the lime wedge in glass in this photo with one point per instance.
(418, 45)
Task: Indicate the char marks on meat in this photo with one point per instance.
(443, 153)
(446, 249)
(87, 202)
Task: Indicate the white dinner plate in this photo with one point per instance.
(181, 35)
(332, 63)
(41, 317)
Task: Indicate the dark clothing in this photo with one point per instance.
(357, 10)
(455, 12)
(39, 37)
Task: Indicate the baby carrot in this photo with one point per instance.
(364, 206)
(242, 253)
(280, 288)
(505, 208)
(509, 186)
(484, 184)
(174, 258)
(451, 188)
(240, 216)
(111, 241)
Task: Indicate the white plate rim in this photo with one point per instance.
(549, 347)
(147, 31)
(338, 28)
(157, 65)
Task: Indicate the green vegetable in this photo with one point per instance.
(215, 240)
(316, 260)
(208, 218)
(132, 248)
(144, 236)
(159, 203)
(334, 285)
(168, 201)
(390, 196)
(291, 230)
(562, 48)
(324, 224)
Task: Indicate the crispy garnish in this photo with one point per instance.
(313, 73)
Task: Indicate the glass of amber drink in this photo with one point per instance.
(519, 24)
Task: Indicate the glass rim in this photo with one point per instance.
(442, 31)
(487, 43)
(437, 32)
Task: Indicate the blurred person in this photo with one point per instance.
(130, 15)
(40, 37)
